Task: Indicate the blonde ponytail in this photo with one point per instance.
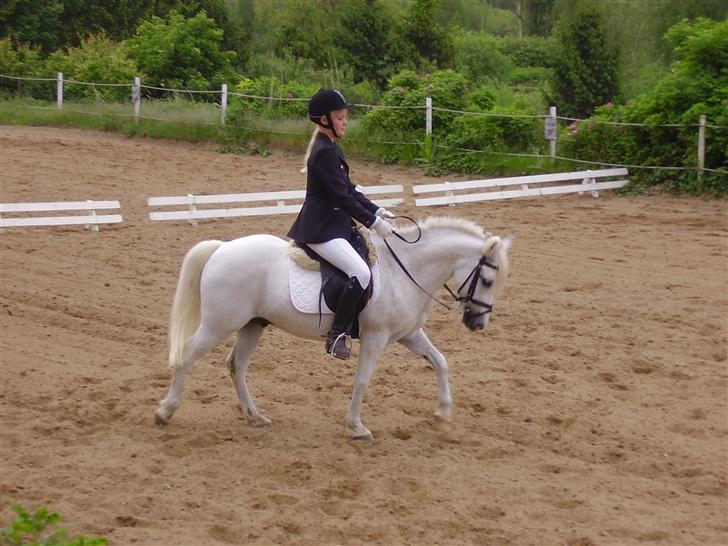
(304, 170)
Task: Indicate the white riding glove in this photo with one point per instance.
(382, 228)
(384, 214)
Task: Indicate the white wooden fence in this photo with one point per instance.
(91, 220)
(280, 203)
(290, 202)
(558, 183)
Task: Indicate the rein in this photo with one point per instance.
(474, 274)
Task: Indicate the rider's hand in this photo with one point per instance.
(382, 228)
(384, 214)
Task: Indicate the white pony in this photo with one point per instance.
(243, 285)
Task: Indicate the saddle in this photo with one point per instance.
(333, 279)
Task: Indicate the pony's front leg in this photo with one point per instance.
(419, 344)
(371, 347)
(237, 363)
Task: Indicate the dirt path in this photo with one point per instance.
(592, 410)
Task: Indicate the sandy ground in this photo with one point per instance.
(592, 410)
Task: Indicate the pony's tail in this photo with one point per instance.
(185, 316)
(304, 170)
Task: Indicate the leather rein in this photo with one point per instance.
(473, 276)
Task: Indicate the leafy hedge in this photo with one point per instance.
(697, 85)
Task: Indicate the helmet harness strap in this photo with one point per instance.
(330, 121)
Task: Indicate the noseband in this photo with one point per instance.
(473, 277)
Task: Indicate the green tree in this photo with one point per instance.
(364, 36)
(534, 17)
(431, 40)
(538, 18)
(32, 22)
(115, 18)
(297, 28)
(585, 68)
(179, 52)
(233, 18)
(660, 125)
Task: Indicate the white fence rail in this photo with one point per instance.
(91, 220)
(282, 204)
(559, 183)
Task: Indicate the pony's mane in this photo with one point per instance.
(492, 243)
(453, 222)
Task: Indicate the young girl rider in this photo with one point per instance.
(332, 203)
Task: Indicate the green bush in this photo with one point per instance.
(479, 57)
(281, 103)
(408, 91)
(483, 134)
(182, 53)
(41, 529)
(482, 98)
(97, 60)
(534, 76)
(23, 61)
(528, 51)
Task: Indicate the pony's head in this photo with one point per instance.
(483, 282)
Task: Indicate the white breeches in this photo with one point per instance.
(339, 253)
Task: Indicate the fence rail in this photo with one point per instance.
(559, 183)
(91, 221)
(281, 198)
(550, 120)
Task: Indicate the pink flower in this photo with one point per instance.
(609, 104)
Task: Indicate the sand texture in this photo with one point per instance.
(591, 411)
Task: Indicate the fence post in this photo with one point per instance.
(223, 104)
(701, 151)
(136, 97)
(59, 91)
(428, 129)
(549, 131)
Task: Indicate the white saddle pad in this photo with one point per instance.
(305, 287)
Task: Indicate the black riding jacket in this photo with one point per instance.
(332, 202)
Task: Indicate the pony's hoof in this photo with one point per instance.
(260, 421)
(159, 420)
(442, 416)
(364, 438)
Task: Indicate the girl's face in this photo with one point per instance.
(340, 120)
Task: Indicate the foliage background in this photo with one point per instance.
(635, 61)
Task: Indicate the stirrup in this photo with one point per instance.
(339, 346)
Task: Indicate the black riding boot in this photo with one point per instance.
(338, 339)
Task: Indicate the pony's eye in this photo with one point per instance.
(487, 282)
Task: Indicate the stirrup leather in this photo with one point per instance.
(339, 346)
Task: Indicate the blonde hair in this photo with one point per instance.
(304, 170)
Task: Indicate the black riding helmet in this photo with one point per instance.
(323, 103)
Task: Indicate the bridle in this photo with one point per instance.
(474, 276)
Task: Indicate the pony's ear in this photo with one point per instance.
(490, 243)
(507, 242)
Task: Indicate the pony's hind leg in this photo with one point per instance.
(200, 343)
(238, 362)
